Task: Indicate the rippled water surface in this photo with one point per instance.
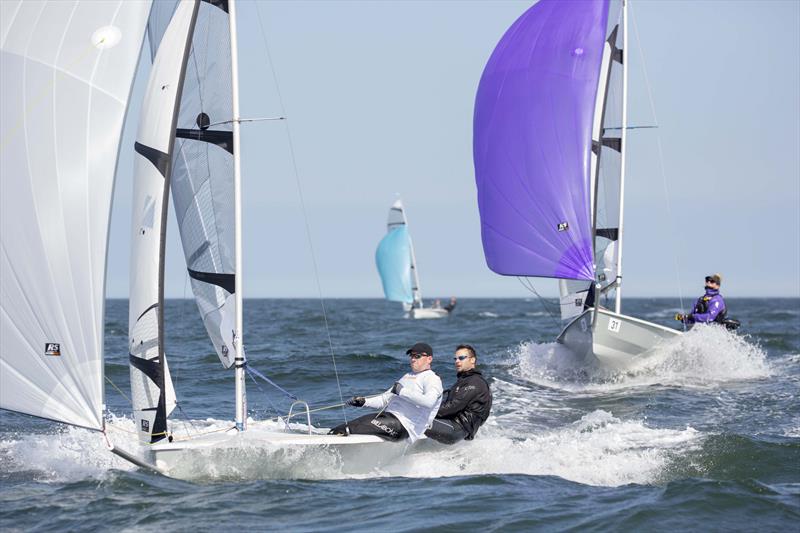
(703, 434)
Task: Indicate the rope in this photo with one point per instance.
(530, 287)
(265, 378)
(303, 206)
(660, 163)
(118, 390)
(164, 433)
(277, 416)
(189, 420)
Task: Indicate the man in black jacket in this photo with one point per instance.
(467, 403)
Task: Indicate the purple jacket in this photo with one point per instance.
(708, 308)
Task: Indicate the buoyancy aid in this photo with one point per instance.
(701, 307)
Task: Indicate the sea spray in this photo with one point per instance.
(705, 356)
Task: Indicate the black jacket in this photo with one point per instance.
(468, 402)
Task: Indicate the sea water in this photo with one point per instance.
(703, 434)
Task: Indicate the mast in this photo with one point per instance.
(415, 288)
(240, 362)
(623, 136)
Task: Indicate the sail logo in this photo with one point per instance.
(563, 226)
(52, 348)
(145, 425)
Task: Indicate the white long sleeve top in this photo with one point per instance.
(416, 405)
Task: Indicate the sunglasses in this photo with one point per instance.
(417, 355)
(460, 357)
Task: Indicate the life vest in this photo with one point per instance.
(701, 307)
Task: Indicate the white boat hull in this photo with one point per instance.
(271, 455)
(428, 312)
(612, 340)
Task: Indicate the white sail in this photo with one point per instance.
(202, 180)
(66, 70)
(151, 387)
(607, 141)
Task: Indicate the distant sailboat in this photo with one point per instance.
(549, 149)
(397, 267)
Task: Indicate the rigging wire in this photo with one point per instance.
(269, 400)
(660, 162)
(303, 208)
(531, 288)
(119, 390)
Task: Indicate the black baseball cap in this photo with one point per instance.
(421, 347)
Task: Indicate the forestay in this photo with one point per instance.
(67, 70)
(151, 386)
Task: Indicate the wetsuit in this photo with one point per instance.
(466, 408)
(404, 415)
(709, 308)
(449, 307)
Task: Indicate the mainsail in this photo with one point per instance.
(203, 176)
(547, 149)
(67, 69)
(396, 262)
(151, 386)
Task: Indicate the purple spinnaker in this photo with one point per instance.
(533, 140)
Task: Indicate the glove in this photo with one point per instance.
(356, 401)
(679, 317)
(397, 387)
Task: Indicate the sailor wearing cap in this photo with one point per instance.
(407, 409)
(710, 307)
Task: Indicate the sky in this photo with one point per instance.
(379, 100)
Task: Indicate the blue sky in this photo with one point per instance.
(379, 99)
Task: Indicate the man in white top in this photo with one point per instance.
(407, 409)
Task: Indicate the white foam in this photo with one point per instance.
(598, 449)
(488, 314)
(706, 356)
(69, 454)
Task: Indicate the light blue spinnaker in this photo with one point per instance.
(393, 258)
